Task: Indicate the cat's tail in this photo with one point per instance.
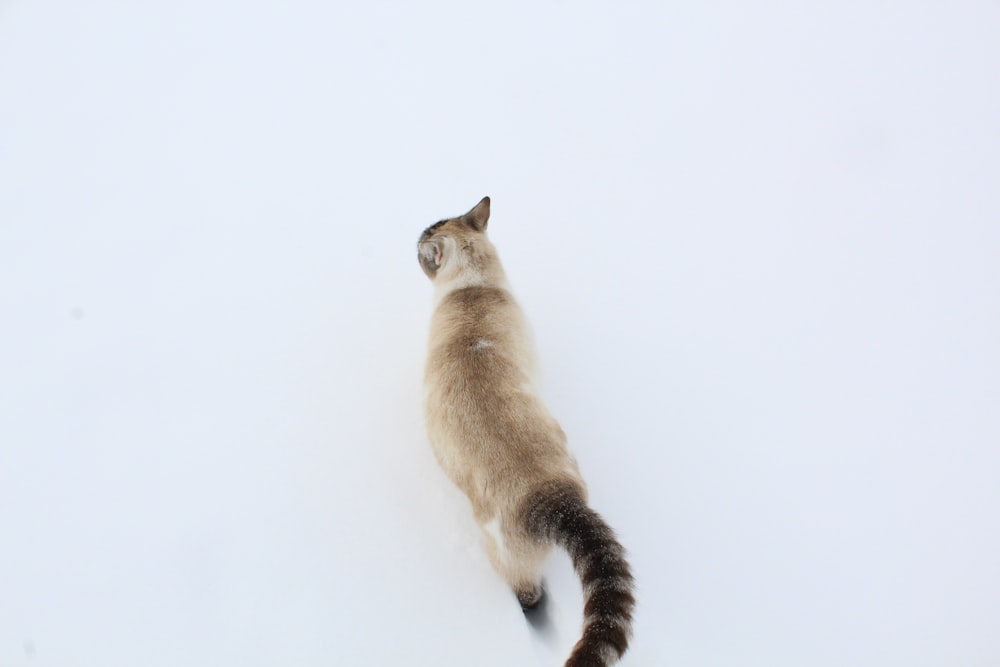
(556, 512)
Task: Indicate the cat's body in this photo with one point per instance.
(496, 440)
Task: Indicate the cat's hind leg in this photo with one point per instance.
(519, 561)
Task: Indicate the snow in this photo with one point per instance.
(758, 246)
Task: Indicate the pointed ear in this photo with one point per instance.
(479, 215)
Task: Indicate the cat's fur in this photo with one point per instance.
(496, 440)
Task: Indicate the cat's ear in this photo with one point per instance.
(479, 215)
(431, 254)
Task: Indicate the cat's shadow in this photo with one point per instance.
(539, 618)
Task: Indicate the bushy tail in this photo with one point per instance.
(557, 513)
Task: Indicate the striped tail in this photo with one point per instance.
(557, 513)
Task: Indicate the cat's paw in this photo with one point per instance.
(530, 597)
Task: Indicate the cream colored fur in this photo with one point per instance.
(490, 432)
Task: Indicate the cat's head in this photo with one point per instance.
(457, 246)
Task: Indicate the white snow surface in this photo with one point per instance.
(759, 246)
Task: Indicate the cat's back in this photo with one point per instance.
(478, 334)
(479, 367)
(484, 417)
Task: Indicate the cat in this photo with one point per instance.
(498, 443)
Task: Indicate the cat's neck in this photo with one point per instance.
(467, 278)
